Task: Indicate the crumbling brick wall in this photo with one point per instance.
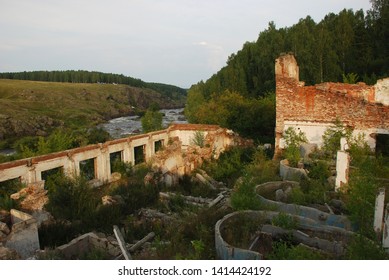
(355, 105)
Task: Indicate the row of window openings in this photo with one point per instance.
(87, 167)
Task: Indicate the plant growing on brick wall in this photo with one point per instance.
(293, 140)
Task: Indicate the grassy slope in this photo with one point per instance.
(74, 105)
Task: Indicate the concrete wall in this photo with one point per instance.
(291, 173)
(24, 237)
(30, 170)
(80, 246)
(311, 108)
(226, 251)
(342, 169)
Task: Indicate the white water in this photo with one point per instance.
(121, 127)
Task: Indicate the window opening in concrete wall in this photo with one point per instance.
(115, 159)
(158, 145)
(47, 174)
(382, 145)
(139, 153)
(87, 168)
(11, 186)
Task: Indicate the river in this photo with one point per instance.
(124, 126)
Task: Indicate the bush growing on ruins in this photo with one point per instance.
(350, 78)
(361, 194)
(332, 136)
(230, 165)
(244, 196)
(285, 221)
(198, 139)
(7, 203)
(136, 195)
(359, 149)
(284, 250)
(262, 169)
(362, 248)
(293, 141)
(319, 170)
(70, 198)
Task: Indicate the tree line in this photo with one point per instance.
(82, 76)
(340, 45)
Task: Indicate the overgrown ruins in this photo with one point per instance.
(312, 109)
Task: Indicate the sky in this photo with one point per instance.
(177, 42)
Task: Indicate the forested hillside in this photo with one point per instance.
(350, 46)
(81, 76)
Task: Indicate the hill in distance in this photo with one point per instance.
(29, 108)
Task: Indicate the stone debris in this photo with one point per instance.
(8, 254)
(112, 200)
(32, 198)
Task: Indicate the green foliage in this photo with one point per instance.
(124, 168)
(285, 221)
(332, 136)
(7, 203)
(56, 233)
(151, 121)
(250, 117)
(198, 139)
(283, 250)
(230, 165)
(262, 169)
(359, 150)
(10, 186)
(362, 190)
(70, 199)
(293, 141)
(81, 76)
(59, 140)
(319, 170)
(136, 195)
(97, 135)
(313, 191)
(244, 196)
(96, 254)
(350, 78)
(362, 248)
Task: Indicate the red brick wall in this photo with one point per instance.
(352, 104)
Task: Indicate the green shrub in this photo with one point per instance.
(362, 248)
(285, 221)
(244, 197)
(262, 169)
(293, 141)
(151, 121)
(198, 139)
(70, 198)
(136, 195)
(230, 165)
(332, 136)
(362, 191)
(56, 234)
(285, 251)
(319, 170)
(7, 203)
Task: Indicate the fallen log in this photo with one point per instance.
(122, 243)
(216, 201)
(140, 243)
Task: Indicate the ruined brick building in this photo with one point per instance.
(312, 109)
